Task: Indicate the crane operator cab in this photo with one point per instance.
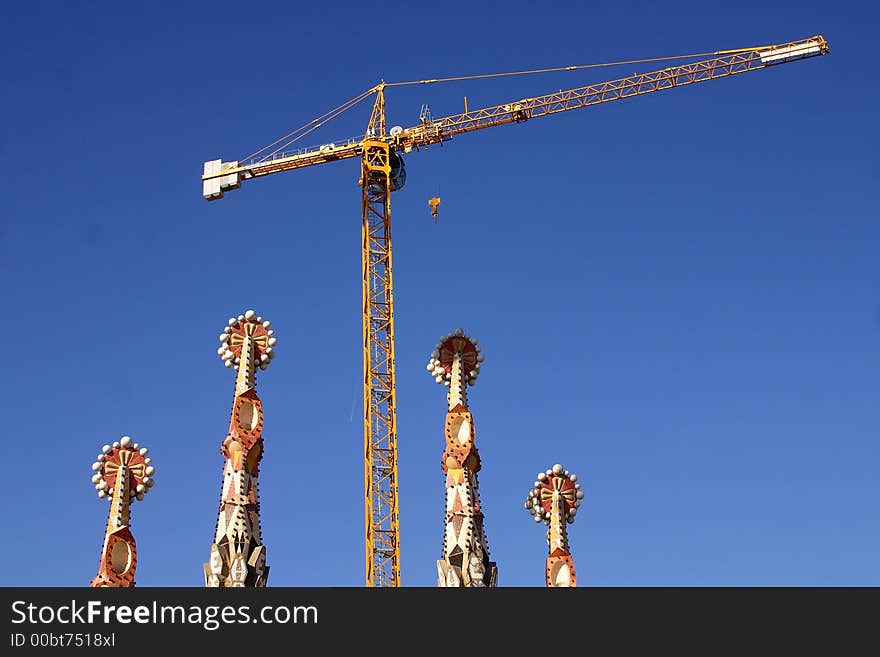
(397, 176)
(398, 170)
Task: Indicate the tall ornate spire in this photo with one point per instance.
(122, 474)
(554, 499)
(238, 556)
(456, 363)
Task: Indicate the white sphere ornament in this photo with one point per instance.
(241, 318)
(96, 466)
(273, 342)
(115, 444)
(537, 518)
(143, 451)
(102, 493)
(149, 471)
(267, 324)
(231, 321)
(106, 448)
(224, 337)
(250, 314)
(96, 478)
(125, 441)
(573, 477)
(557, 469)
(580, 494)
(140, 488)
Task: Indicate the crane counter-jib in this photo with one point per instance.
(219, 177)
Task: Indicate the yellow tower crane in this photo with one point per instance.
(382, 172)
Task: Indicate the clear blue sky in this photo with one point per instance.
(678, 294)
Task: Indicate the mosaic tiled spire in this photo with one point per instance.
(456, 364)
(122, 474)
(238, 556)
(554, 500)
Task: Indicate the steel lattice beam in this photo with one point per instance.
(380, 407)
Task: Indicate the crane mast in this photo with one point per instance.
(381, 516)
(378, 151)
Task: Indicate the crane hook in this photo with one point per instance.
(434, 202)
